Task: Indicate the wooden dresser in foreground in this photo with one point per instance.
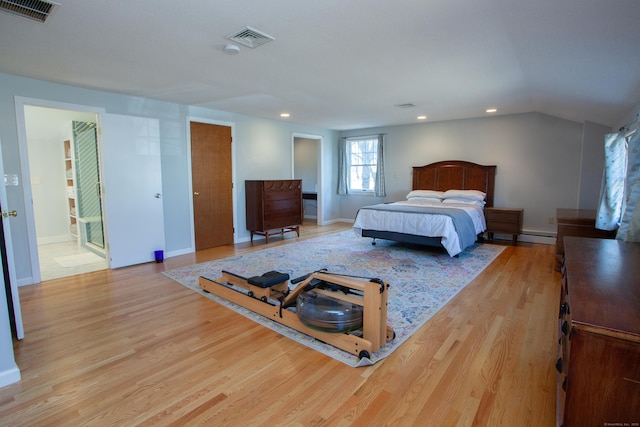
(273, 207)
(599, 334)
(579, 223)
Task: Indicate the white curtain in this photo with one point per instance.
(343, 167)
(630, 223)
(380, 189)
(612, 192)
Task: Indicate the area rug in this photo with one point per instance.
(421, 279)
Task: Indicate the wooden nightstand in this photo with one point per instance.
(504, 220)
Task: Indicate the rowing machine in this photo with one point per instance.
(270, 296)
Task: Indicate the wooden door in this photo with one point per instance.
(212, 184)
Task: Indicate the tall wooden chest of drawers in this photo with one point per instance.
(599, 334)
(273, 206)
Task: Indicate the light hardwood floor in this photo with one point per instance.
(131, 347)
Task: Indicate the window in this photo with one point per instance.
(361, 166)
(362, 155)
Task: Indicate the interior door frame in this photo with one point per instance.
(319, 145)
(32, 238)
(231, 125)
(7, 243)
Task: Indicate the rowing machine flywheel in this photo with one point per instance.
(328, 314)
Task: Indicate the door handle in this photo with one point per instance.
(157, 195)
(7, 214)
(195, 193)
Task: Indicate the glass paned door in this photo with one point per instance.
(88, 183)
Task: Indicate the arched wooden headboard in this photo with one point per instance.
(455, 175)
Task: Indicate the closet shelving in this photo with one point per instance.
(71, 188)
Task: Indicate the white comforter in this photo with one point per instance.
(430, 225)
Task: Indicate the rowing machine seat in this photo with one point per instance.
(268, 279)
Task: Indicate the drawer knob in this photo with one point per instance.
(565, 328)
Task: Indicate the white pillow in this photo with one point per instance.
(423, 201)
(464, 194)
(427, 194)
(454, 200)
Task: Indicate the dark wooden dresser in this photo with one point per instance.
(579, 223)
(273, 207)
(599, 334)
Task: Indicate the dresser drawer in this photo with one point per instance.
(280, 206)
(282, 195)
(503, 215)
(282, 186)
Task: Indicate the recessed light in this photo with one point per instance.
(491, 110)
(285, 115)
(422, 117)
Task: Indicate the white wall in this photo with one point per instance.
(631, 116)
(305, 154)
(538, 159)
(306, 163)
(592, 162)
(48, 189)
(541, 161)
(263, 151)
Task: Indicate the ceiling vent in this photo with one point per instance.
(250, 37)
(37, 10)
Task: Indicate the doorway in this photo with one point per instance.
(130, 154)
(306, 166)
(212, 184)
(63, 161)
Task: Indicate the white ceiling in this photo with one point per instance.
(344, 64)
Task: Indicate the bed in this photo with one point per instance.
(445, 208)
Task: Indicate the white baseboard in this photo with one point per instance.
(333, 221)
(537, 239)
(530, 236)
(178, 252)
(25, 281)
(9, 376)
